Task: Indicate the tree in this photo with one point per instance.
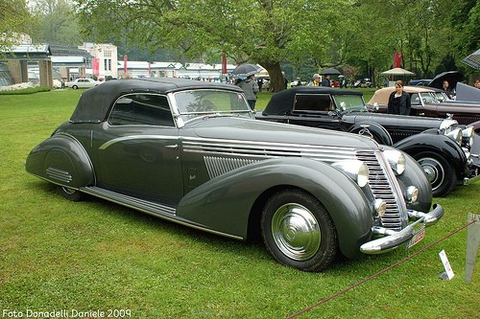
(56, 22)
(14, 21)
(267, 32)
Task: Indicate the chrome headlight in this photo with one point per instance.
(356, 170)
(455, 135)
(467, 136)
(412, 194)
(380, 207)
(448, 124)
(396, 159)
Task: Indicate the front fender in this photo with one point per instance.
(415, 176)
(380, 134)
(225, 203)
(61, 160)
(436, 143)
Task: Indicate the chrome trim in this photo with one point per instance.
(394, 239)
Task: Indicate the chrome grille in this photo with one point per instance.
(382, 189)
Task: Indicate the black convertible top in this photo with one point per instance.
(95, 103)
(283, 101)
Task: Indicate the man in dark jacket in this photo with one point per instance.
(399, 101)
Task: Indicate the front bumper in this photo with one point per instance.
(392, 239)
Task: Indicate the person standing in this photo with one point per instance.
(316, 80)
(448, 90)
(326, 80)
(250, 87)
(399, 100)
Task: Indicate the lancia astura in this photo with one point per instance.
(193, 153)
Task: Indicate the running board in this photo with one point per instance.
(132, 202)
(162, 211)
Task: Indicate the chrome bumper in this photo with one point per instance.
(393, 239)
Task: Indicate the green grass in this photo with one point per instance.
(59, 255)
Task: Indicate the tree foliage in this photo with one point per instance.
(359, 35)
(56, 22)
(14, 21)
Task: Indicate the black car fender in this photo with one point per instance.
(61, 160)
(228, 202)
(377, 131)
(436, 143)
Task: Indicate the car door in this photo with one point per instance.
(315, 110)
(138, 150)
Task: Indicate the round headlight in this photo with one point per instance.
(356, 170)
(467, 136)
(455, 135)
(396, 159)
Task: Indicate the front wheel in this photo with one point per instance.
(440, 173)
(298, 231)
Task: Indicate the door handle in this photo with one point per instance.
(172, 146)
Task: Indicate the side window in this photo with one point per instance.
(415, 98)
(313, 102)
(148, 109)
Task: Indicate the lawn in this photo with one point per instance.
(81, 259)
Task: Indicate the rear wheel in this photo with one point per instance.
(70, 193)
(298, 231)
(74, 87)
(440, 173)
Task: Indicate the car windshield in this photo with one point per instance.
(199, 103)
(350, 103)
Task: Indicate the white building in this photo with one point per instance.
(105, 59)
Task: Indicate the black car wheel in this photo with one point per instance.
(70, 193)
(298, 231)
(440, 173)
(74, 87)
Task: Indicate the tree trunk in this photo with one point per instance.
(277, 80)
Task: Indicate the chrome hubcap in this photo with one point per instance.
(68, 191)
(434, 171)
(296, 232)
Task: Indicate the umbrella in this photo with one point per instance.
(330, 72)
(245, 70)
(397, 71)
(451, 76)
(473, 60)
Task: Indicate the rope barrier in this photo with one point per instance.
(380, 272)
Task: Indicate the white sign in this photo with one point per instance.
(446, 264)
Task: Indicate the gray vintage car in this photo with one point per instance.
(192, 153)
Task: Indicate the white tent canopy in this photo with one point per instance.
(397, 71)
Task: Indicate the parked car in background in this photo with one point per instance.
(440, 146)
(430, 102)
(82, 83)
(191, 152)
(419, 82)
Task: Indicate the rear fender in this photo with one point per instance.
(435, 143)
(225, 203)
(379, 133)
(61, 160)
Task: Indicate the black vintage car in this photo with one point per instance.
(191, 152)
(440, 146)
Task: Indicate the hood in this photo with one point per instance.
(269, 132)
(392, 120)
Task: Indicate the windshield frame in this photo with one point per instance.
(349, 107)
(198, 110)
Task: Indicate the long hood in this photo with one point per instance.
(268, 132)
(391, 120)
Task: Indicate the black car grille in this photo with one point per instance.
(221, 157)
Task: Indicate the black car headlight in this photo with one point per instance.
(356, 170)
(396, 159)
(467, 136)
(455, 135)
